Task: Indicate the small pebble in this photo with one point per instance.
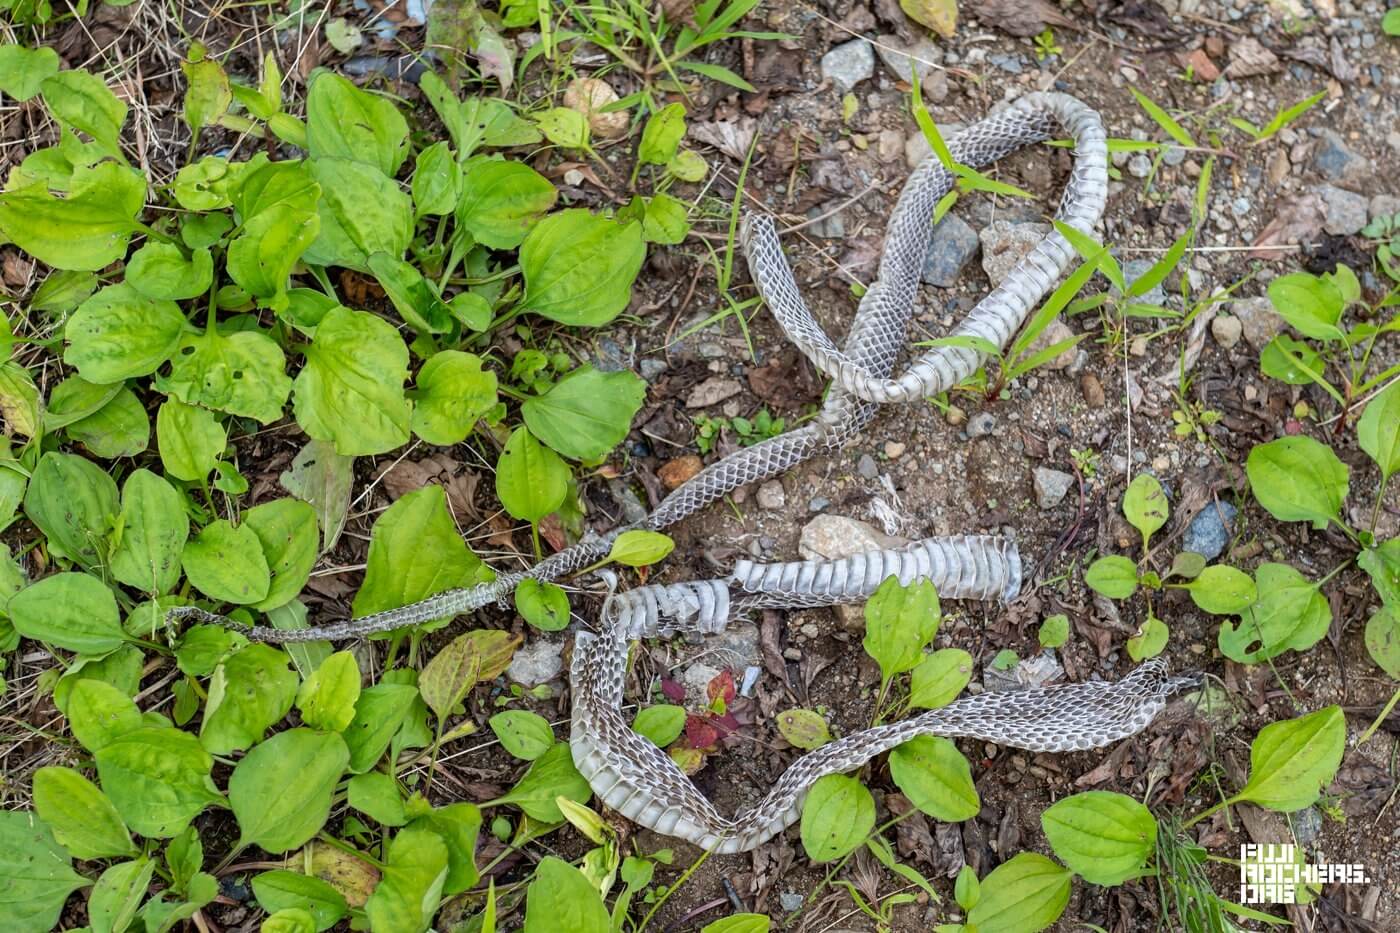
(1210, 530)
(1051, 486)
(981, 424)
(894, 449)
(1092, 389)
(848, 64)
(1227, 330)
(675, 472)
(771, 496)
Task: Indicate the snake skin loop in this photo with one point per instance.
(891, 300)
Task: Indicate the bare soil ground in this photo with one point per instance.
(1116, 401)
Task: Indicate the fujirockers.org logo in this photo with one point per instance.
(1272, 873)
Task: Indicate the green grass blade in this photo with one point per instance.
(1162, 267)
(1163, 119)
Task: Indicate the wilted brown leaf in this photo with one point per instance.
(1299, 220)
(732, 137)
(1249, 57)
(1017, 17)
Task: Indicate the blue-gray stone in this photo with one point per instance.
(611, 357)
(1210, 530)
(953, 245)
(1334, 160)
(848, 64)
(1011, 64)
(1307, 825)
(1135, 269)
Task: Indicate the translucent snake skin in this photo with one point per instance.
(635, 777)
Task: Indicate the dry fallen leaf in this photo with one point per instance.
(732, 137)
(939, 15)
(589, 96)
(1017, 17)
(1249, 57)
(1298, 220)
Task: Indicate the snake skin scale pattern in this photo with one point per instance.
(636, 778)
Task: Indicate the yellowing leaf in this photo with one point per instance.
(939, 15)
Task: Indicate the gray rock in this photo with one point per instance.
(771, 496)
(1383, 205)
(1174, 155)
(611, 357)
(1210, 530)
(1135, 269)
(1004, 244)
(538, 661)
(1057, 331)
(1334, 160)
(867, 467)
(848, 64)
(953, 245)
(696, 679)
(1307, 825)
(832, 227)
(1227, 329)
(1258, 320)
(1344, 211)
(790, 901)
(981, 424)
(1139, 165)
(712, 391)
(903, 60)
(818, 503)
(652, 368)
(1011, 64)
(627, 499)
(1051, 486)
(832, 537)
(889, 145)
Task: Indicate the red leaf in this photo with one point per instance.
(700, 732)
(725, 724)
(721, 686)
(672, 690)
